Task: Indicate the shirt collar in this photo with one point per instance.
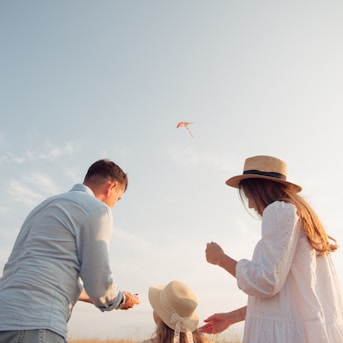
(80, 187)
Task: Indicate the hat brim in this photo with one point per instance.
(155, 301)
(235, 181)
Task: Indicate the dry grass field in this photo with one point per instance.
(94, 340)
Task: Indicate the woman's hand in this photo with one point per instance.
(219, 322)
(216, 323)
(214, 253)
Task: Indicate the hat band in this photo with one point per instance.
(271, 174)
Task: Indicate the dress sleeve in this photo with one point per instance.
(266, 273)
(95, 270)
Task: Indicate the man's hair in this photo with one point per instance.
(108, 170)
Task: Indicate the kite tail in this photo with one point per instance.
(189, 131)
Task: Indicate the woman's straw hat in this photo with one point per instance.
(175, 304)
(263, 167)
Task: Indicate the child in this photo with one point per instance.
(173, 311)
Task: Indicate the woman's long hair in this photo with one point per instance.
(264, 192)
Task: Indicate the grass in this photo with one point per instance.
(95, 340)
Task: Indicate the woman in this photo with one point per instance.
(292, 286)
(173, 311)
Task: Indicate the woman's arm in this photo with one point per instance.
(215, 255)
(266, 273)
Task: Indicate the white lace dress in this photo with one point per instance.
(293, 295)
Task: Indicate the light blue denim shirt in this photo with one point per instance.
(62, 243)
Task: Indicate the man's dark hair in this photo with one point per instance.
(106, 169)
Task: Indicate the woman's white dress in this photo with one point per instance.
(294, 295)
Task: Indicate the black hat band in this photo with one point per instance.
(271, 174)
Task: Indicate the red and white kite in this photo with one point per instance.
(185, 125)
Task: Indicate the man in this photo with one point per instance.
(61, 256)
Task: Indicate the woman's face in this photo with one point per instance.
(251, 203)
(250, 200)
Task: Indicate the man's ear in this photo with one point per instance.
(110, 186)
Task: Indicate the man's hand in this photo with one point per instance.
(130, 301)
(84, 297)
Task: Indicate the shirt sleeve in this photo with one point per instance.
(95, 270)
(266, 273)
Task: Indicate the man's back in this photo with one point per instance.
(40, 281)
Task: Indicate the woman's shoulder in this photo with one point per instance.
(280, 212)
(148, 341)
(281, 206)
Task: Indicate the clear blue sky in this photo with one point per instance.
(84, 80)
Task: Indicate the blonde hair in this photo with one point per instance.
(265, 192)
(164, 334)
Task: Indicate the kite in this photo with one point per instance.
(185, 125)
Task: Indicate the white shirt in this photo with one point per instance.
(294, 295)
(63, 240)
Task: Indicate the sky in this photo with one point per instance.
(83, 80)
